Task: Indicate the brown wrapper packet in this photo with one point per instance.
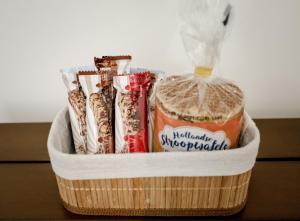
(120, 63)
(77, 112)
(117, 65)
(104, 64)
(97, 87)
(118, 57)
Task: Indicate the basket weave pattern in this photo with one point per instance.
(220, 195)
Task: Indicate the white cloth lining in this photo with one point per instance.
(108, 166)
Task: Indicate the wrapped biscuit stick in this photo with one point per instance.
(131, 112)
(96, 87)
(156, 76)
(76, 105)
(117, 65)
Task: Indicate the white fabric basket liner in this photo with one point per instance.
(72, 166)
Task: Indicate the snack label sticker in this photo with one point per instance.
(192, 139)
(178, 135)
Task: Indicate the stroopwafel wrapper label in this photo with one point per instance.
(179, 135)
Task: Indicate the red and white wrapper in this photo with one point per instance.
(131, 129)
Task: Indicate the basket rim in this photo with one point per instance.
(234, 150)
(205, 163)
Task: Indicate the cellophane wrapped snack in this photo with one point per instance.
(97, 87)
(76, 106)
(115, 65)
(155, 76)
(131, 128)
(199, 111)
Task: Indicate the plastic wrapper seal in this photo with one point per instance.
(199, 111)
(131, 128)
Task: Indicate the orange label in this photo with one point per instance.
(179, 135)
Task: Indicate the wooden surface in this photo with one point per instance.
(280, 138)
(276, 135)
(28, 188)
(30, 191)
(28, 140)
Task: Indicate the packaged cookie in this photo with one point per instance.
(77, 112)
(97, 89)
(131, 129)
(199, 111)
(155, 77)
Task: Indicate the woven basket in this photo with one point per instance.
(149, 196)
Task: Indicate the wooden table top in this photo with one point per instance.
(28, 188)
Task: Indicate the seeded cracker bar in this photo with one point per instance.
(99, 104)
(116, 65)
(76, 99)
(130, 117)
(96, 86)
(77, 110)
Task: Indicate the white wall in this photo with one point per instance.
(38, 37)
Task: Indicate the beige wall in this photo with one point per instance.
(38, 37)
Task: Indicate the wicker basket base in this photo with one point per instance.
(155, 212)
(156, 196)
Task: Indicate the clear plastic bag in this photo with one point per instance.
(199, 111)
(204, 25)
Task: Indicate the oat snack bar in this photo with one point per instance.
(76, 106)
(116, 65)
(110, 66)
(97, 89)
(199, 111)
(131, 112)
